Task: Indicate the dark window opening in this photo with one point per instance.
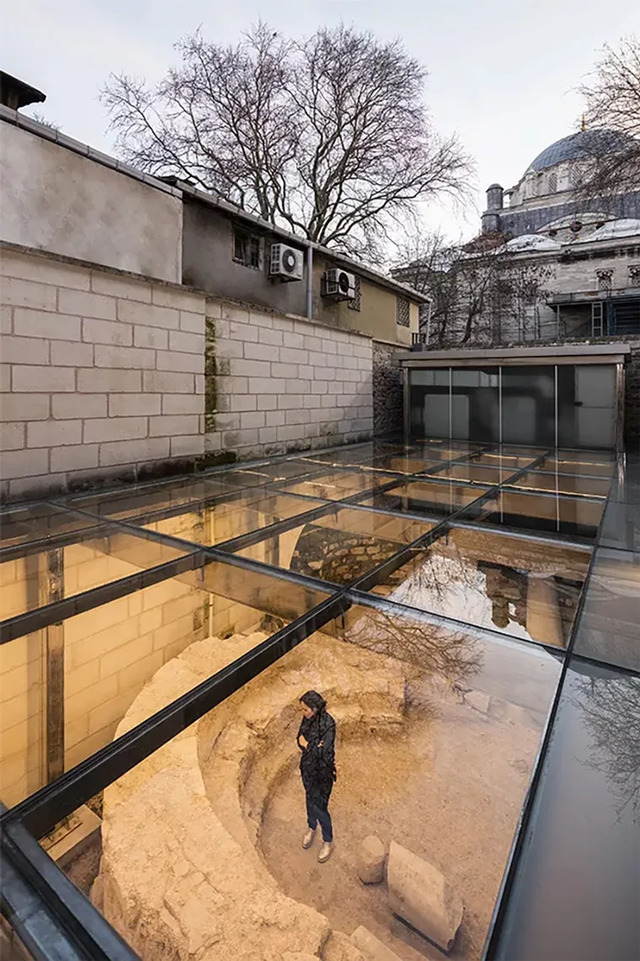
(246, 249)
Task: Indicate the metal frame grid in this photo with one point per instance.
(51, 916)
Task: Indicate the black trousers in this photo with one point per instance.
(318, 813)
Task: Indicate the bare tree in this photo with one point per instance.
(613, 103)
(327, 136)
(611, 711)
(481, 292)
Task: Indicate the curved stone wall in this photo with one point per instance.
(181, 874)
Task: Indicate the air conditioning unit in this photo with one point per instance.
(338, 284)
(286, 263)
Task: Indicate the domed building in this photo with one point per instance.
(588, 249)
(544, 199)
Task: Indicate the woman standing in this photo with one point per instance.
(316, 739)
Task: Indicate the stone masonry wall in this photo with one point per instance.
(99, 371)
(387, 390)
(105, 374)
(283, 383)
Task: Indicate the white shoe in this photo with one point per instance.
(307, 840)
(325, 852)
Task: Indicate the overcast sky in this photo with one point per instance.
(502, 72)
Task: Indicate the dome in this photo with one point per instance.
(614, 229)
(577, 146)
(531, 242)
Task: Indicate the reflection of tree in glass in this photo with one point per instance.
(611, 709)
(452, 655)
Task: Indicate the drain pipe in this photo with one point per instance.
(310, 282)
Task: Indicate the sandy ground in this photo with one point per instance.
(449, 788)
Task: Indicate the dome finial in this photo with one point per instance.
(583, 125)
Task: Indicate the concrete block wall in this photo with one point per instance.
(105, 374)
(284, 383)
(98, 371)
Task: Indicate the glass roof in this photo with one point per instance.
(457, 572)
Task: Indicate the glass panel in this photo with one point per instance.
(528, 405)
(45, 576)
(587, 456)
(475, 407)
(429, 403)
(428, 498)
(610, 624)
(565, 483)
(593, 469)
(478, 473)
(528, 589)
(65, 690)
(409, 464)
(570, 516)
(134, 501)
(356, 455)
(504, 461)
(336, 485)
(339, 547)
(21, 525)
(587, 405)
(227, 798)
(224, 521)
(584, 822)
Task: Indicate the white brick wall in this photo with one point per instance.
(102, 373)
(88, 383)
(286, 384)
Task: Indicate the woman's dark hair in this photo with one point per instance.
(314, 700)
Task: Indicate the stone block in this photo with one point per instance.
(178, 299)
(420, 894)
(188, 446)
(134, 405)
(109, 381)
(66, 353)
(42, 270)
(272, 337)
(47, 433)
(111, 332)
(182, 404)
(36, 323)
(186, 343)
(372, 948)
(132, 312)
(187, 363)
(173, 425)
(252, 418)
(82, 457)
(24, 350)
(250, 368)
(262, 352)
(114, 285)
(25, 293)
(114, 428)
(156, 338)
(25, 464)
(37, 379)
(12, 436)
(372, 856)
(24, 407)
(132, 451)
(192, 322)
(85, 304)
(291, 355)
(478, 701)
(170, 382)
(284, 370)
(124, 358)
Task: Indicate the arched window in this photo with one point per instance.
(553, 183)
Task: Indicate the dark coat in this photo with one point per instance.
(317, 763)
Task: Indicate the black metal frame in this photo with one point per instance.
(49, 913)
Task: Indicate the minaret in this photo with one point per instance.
(495, 203)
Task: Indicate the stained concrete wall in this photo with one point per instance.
(57, 200)
(208, 263)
